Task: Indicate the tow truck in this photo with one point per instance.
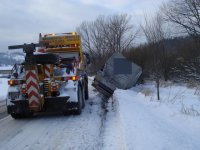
(52, 78)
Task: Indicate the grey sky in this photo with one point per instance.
(23, 20)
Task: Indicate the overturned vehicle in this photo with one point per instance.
(118, 72)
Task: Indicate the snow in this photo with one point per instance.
(138, 121)
(3, 88)
(6, 67)
(135, 120)
(70, 90)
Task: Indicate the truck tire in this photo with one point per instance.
(46, 59)
(16, 116)
(83, 91)
(86, 93)
(86, 89)
(80, 101)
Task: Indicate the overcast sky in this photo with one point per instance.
(21, 21)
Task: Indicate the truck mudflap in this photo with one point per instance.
(57, 103)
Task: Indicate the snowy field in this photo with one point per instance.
(138, 121)
(3, 88)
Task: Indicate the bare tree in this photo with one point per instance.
(120, 33)
(107, 35)
(184, 13)
(155, 35)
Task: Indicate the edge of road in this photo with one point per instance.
(3, 111)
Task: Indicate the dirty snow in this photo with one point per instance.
(136, 120)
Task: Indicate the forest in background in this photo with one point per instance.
(172, 35)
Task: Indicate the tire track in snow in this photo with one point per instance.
(3, 109)
(103, 114)
(113, 135)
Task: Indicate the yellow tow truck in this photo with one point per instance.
(52, 78)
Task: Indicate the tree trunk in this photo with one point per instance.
(157, 85)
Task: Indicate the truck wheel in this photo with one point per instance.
(80, 101)
(46, 59)
(86, 93)
(83, 105)
(16, 116)
(86, 89)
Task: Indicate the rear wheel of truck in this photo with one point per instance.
(83, 98)
(86, 93)
(80, 101)
(16, 116)
(86, 89)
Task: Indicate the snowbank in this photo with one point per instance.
(138, 121)
(3, 88)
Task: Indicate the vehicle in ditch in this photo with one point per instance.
(117, 72)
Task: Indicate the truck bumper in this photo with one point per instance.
(19, 106)
(51, 104)
(58, 104)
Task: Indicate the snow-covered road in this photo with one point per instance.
(3, 110)
(55, 131)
